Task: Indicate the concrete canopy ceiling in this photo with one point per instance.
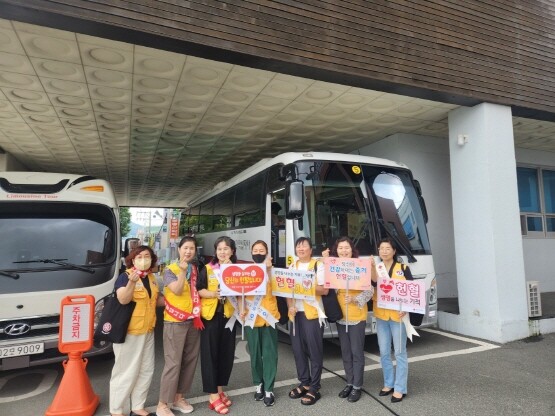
(164, 127)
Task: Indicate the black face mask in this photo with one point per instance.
(259, 258)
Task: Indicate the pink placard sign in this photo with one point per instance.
(404, 295)
(345, 273)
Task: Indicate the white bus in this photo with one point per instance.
(323, 196)
(60, 237)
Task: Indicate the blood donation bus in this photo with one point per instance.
(323, 196)
(60, 237)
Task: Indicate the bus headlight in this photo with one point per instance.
(98, 308)
(433, 292)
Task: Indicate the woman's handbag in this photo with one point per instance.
(332, 309)
(114, 320)
(415, 318)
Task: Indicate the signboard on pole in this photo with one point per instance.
(402, 295)
(243, 279)
(76, 324)
(347, 273)
(174, 228)
(291, 283)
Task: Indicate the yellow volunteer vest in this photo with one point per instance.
(183, 301)
(144, 314)
(208, 305)
(269, 302)
(388, 314)
(310, 311)
(355, 313)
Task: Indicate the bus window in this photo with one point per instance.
(223, 209)
(249, 207)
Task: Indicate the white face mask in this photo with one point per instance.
(143, 264)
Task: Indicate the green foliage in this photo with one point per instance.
(124, 220)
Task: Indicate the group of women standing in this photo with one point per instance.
(197, 317)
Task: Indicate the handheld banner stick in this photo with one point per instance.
(243, 311)
(400, 324)
(347, 308)
(293, 321)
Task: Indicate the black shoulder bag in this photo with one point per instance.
(114, 320)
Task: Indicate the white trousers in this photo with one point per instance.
(132, 373)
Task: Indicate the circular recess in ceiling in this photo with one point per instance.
(387, 120)
(146, 121)
(72, 112)
(382, 104)
(111, 106)
(256, 114)
(203, 74)
(13, 62)
(8, 116)
(50, 46)
(234, 96)
(112, 117)
(5, 39)
(181, 115)
(146, 130)
(154, 83)
(109, 92)
(66, 87)
(215, 120)
(35, 108)
(149, 111)
(275, 128)
(209, 129)
(106, 56)
(79, 123)
(302, 108)
(41, 119)
(245, 81)
(145, 139)
(332, 112)
(65, 100)
(107, 77)
(283, 88)
(58, 68)
(111, 126)
(350, 99)
(196, 90)
(224, 109)
(26, 95)
(410, 109)
(315, 122)
(287, 118)
(318, 94)
(268, 103)
(17, 79)
(156, 65)
(151, 98)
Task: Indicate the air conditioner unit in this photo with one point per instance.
(534, 299)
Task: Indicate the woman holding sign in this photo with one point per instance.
(354, 307)
(181, 330)
(260, 317)
(389, 328)
(307, 332)
(217, 340)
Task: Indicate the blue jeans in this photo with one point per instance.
(388, 331)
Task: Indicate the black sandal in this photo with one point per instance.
(298, 392)
(311, 397)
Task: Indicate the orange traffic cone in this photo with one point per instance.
(75, 396)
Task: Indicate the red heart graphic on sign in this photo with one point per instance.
(386, 288)
(237, 278)
(307, 283)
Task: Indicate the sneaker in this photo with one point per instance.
(259, 393)
(269, 399)
(182, 406)
(164, 411)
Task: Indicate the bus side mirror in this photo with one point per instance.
(294, 200)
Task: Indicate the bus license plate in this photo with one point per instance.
(374, 329)
(22, 349)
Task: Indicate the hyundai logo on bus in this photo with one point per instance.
(17, 329)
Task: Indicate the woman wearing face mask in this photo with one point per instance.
(261, 332)
(217, 343)
(354, 306)
(182, 325)
(134, 359)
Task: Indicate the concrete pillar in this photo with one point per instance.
(488, 244)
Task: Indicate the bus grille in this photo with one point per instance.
(39, 326)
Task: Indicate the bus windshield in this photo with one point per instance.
(363, 202)
(74, 238)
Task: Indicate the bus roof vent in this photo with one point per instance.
(32, 188)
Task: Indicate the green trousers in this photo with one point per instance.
(262, 342)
